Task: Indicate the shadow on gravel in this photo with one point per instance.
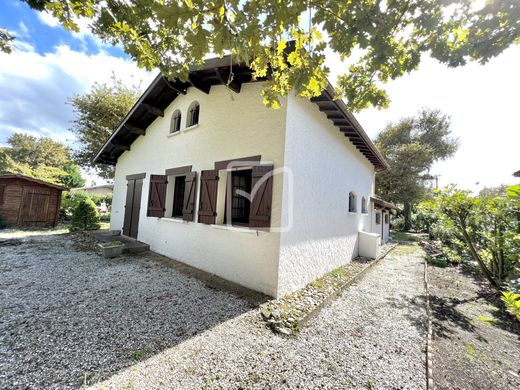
(70, 318)
(416, 310)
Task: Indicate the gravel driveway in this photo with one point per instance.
(70, 316)
(372, 337)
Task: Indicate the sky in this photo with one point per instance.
(49, 65)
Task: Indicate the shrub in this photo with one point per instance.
(512, 302)
(437, 261)
(85, 216)
(397, 223)
(69, 202)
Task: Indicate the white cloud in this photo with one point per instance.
(482, 102)
(48, 19)
(35, 87)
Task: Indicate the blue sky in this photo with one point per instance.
(50, 64)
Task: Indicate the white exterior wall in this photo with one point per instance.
(326, 167)
(231, 126)
(382, 229)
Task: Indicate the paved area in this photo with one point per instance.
(70, 317)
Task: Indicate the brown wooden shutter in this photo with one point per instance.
(188, 208)
(157, 195)
(130, 187)
(2, 191)
(208, 196)
(260, 211)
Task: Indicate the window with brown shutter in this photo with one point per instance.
(190, 186)
(208, 196)
(2, 191)
(157, 195)
(261, 196)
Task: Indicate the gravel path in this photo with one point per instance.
(69, 316)
(372, 337)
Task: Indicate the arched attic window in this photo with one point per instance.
(352, 198)
(176, 122)
(193, 114)
(364, 205)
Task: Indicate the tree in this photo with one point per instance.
(487, 225)
(34, 152)
(72, 177)
(98, 113)
(41, 158)
(411, 146)
(382, 40)
(85, 216)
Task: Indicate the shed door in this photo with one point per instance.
(35, 206)
(132, 207)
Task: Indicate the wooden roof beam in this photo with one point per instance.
(120, 146)
(234, 85)
(152, 109)
(178, 87)
(200, 84)
(135, 129)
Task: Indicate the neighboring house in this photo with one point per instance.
(28, 202)
(104, 189)
(185, 151)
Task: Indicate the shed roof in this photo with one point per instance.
(382, 204)
(32, 179)
(517, 174)
(216, 71)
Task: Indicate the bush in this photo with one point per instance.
(397, 223)
(512, 302)
(437, 261)
(69, 202)
(85, 216)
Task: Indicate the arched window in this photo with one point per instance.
(363, 205)
(176, 122)
(352, 202)
(193, 114)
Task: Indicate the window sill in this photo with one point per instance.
(240, 229)
(190, 127)
(352, 213)
(174, 133)
(173, 219)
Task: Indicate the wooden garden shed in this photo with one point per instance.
(29, 202)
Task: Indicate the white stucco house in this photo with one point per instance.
(188, 155)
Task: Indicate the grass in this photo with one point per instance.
(407, 236)
(138, 354)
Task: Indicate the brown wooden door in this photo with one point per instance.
(132, 207)
(35, 206)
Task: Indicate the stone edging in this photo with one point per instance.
(429, 345)
(336, 293)
(291, 326)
